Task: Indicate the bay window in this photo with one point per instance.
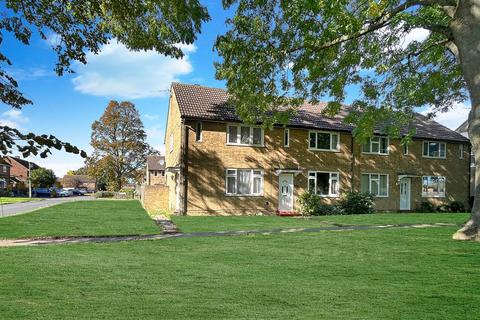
(324, 183)
(375, 184)
(432, 149)
(244, 135)
(433, 186)
(325, 141)
(248, 182)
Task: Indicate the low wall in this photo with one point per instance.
(154, 198)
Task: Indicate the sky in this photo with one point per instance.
(67, 106)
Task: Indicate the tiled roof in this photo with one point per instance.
(156, 162)
(23, 162)
(204, 103)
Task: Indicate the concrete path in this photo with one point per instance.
(32, 242)
(23, 207)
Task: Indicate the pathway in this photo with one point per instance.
(23, 207)
(31, 242)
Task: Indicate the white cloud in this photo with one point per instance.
(118, 72)
(151, 117)
(13, 118)
(29, 74)
(416, 34)
(453, 118)
(155, 137)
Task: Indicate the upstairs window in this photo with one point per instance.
(376, 145)
(325, 141)
(248, 182)
(433, 149)
(460, 151)
(4, 169)
(433, 186)
(324, 183)
(244, 135)
(376, 184)
(286, 138)
(198, 131)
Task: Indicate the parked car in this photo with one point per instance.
(42, 192)
(64, 193)
(78, 192)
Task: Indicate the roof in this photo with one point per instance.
(156, 162)
(205, 103)
(3, 163)
(78, 177)
(463, 129)
(24, 163)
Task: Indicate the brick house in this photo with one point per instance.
(217, 165)
(19, 168)
(79, 181)
(155, 170)
(4, 174)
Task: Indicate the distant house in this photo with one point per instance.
(78, 181)
(463, 130)
(155, 174)
(19, 170)
(4, 174)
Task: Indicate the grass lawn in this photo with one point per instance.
(200, 224)
(9, 200)
(80, 218)
(368, 274)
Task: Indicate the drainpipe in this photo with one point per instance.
(352, 165)
(184, 167)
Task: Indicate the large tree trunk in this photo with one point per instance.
(466, 31)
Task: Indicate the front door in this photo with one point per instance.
(405, 194)
(285, 202)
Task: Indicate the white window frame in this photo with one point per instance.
(239, 136)
(198, 131)
(330, 194)
(171, 142)
(286, 138)
(371, 142)
(235, 175)
(316, 132)
(460, 151)
(432, 157)
(370, 183)
(436, 194)
(4, 169)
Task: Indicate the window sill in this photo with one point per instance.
(432, 196)
(245, 145)
(376, 153)
(244, 195)
(326, 150)
(439, 158)
(328, 196)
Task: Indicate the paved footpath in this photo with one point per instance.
(23, 207)
(45, 241)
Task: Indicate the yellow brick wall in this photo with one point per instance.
(209, 158)
(155, 199)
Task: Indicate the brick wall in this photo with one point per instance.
(155, 198)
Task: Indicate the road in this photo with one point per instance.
(16, 208)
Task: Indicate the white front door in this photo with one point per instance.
(405, 194)
(285, 200)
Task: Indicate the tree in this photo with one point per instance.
(284, 52)
(42, 178)
(119, 143)
(82, 26)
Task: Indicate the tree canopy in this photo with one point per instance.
(83, 26)
(43, 178)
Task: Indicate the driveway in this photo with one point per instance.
(16, 208)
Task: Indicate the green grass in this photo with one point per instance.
(201, 224)
(369, 274)
(80, 218)
(9, 200)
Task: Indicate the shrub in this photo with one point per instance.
(443, 208)
(104, 194)
(311, 205)
(357, 203)
(457, 206)
(427, 206)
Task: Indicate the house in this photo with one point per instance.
(155, 171)
(217, 165)
(463, 130)
(79, 181)
(4, 174)
(20, 168)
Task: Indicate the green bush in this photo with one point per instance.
(311, 205)
(443, 208)
(457, 206)
(427, 207)
(357, 203)
(104, 194)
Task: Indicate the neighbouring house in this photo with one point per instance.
(215, 164)
(463, 130)
(4, 174)
(78, 181)
(20, 168)
(155, 171)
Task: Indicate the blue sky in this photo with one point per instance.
(66, 106)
